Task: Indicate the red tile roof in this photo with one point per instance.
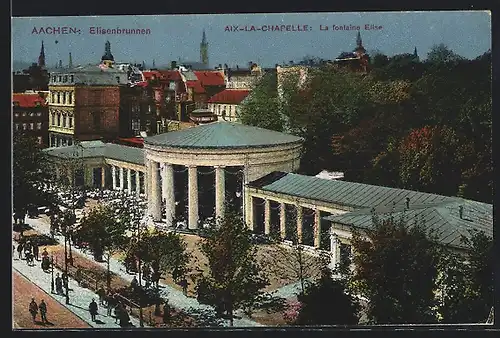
(198, 88)
(230, 96)
(148, 75)
(170, 75)
(28, 100)
(210, 78)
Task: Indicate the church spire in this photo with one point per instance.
(41, 57)
(204, 49)
(108, 58)
(154, 64)
(359, 42)
(70, 62)
(415, 55)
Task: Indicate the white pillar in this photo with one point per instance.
(103, 177)
(299, 224)
(193, 197)
(220, 192)
(147, 183)
(249, 210)
(168, 192)
(113, 173)
(267, 217)
(121, 178)
(155, 192)
(334, 249)
(129, 181)
(137, 183)
(317, 228)
(283, 220)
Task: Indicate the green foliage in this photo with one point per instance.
(326, 290)
(466, 281)
(30, 169)
(165, 250)
(396, 270)
(441, 53)
(235, 279)
(102, 230)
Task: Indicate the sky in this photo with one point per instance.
(173, 37)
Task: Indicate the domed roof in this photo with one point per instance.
(222, 135)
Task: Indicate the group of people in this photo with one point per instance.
(30, 249)
(34, 308)
(61, 283)
(112, 302)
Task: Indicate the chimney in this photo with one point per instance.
(173, 64)
(407, 203)
(461, 212)
(237, 67)
(220, 65)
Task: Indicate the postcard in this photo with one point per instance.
(252, 170)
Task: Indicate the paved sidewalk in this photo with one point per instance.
(80, 298)
(175, 297)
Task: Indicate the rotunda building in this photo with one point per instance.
(198, 172)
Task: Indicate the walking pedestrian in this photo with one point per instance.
(93, 309)
(36, 251)
(166, 312)
(110, 302)
(33, 308)
(65, 280)
(45, 253)
(184, 284)
(20, 250)
(118, 311)
(101, 293)
(43, 311)
(59, 284)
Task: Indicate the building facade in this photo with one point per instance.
(226, 104)
(30, 116)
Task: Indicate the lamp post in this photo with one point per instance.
(66, 280)
(52, 272)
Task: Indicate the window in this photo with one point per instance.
(17, 126)
(24, 114)
(345, 255)
(54, 78)
(65, 78)
(70, 98)
(25, 126)
(39, 114)
(58, 97)
(65, 119)
(59, 78)
(32, 126)
(72, 78)
(39, 140)
(39, 126)
(53, 97)
(16, 114)
(70, 122)
(52, 119)
(31, 114)
(58, 120)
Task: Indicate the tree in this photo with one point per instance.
(396, 270)
(466, 281)
(235, 279)
(31, 170)
(104, 233)
(326, 290)
(261, 108)
(441, 53)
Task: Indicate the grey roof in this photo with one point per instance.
(190, 75)
(349, 194)
(91, 75)
(222, 134)
(93, 149)
(442, 219)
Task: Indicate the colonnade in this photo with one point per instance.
(60, 141)
(161, 189)
(118, 183)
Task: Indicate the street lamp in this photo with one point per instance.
(66, 279)
(52, 272)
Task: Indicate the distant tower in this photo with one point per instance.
(360, 50)
(70, 63)
(108, 58)
(41, 57)
(143, 65)
(60, 64)
(154, 64)
(204, 49)
(415, 55)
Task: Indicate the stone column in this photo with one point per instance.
(113, 174)
(193, 197)
(317, 228)
(267, 217)
(137, 183)
(334, 249)
(155, 192)
(121, 178)
(220, 191)
(283, 220)
(147, 185)
(103, 177)
(299, 223)
(249, 210)
(168, 192)
(129, 181)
